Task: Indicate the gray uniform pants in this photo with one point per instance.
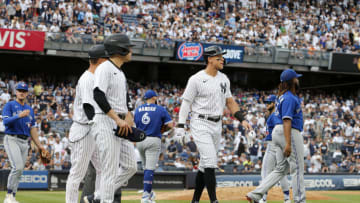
(149, 150)
(295, 162)
(271, 158)
(17, 150)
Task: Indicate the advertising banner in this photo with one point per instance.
(312, 182)
(22, 40)
(345, 62)
(193, 51)
(34, 180)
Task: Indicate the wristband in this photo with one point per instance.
(180, 125)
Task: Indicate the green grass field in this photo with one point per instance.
(59, 197)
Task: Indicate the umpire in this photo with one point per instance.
(152, 119)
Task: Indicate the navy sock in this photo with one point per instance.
(199, 186)
(210, 182)
(10, 191)
(148, 179)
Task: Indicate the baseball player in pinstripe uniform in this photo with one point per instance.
(206, 95)
(286, 136)
(19, 121)
(110, 92)
(150, 117)
(82, 140)
(269, 161)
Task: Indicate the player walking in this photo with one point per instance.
(269, 161)
(110, 95)
(286, 135)
(82, 140)
(206, 94)
(19, 121)
(150, 117)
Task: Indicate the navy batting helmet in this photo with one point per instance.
(213, 51)
(117, 44)
(97, 51)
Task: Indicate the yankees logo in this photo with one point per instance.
(223, 87)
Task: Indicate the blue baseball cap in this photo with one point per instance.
(270, 98)
(288, 74)
(150, 94)
(22, 86)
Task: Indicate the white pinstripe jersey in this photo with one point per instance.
(111, 80)
(207, 94)
(84, 94)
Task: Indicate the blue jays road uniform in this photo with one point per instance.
(150, 118)
(17, 133)
(288, 106)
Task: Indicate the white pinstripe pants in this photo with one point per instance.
(207, 136)
(128, 164)
(82, 151)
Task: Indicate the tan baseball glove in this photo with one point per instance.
(45, 156)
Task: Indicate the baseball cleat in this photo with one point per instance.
(250, 200)
(287, 201)
(90, 199)
(262, 201)
(152, 196)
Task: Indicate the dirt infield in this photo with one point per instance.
(238, 193)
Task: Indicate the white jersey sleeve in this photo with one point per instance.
(87, 90)
(228, 91)
(191, 90)
(102, 77)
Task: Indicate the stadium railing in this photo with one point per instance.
(165, 48)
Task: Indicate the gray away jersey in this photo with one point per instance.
(112, 82)
(84, 94)
(207, 94)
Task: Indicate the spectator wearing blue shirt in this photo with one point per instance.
(19, 121)
(154, 120)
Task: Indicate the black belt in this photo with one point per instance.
(213, 119)
(23, 137)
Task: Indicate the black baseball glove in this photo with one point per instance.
(137, 135)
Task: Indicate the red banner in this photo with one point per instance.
(23, 40)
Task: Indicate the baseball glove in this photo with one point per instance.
(45, 156)
(137, 135)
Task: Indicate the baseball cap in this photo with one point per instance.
(22, 86)
(270, 98)
(150, 94)
(288, 74)
(97, 51)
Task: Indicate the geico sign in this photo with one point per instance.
(314, 183)
(33, 179)
(11, 39)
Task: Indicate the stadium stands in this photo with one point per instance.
(331, 128)
(306, 26)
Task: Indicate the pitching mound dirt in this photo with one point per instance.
(237, 193)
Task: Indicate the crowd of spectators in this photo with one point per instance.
(331, 128)
(326, 25)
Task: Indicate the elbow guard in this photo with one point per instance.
(89, 111)
(239, 115)
(100, 99)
